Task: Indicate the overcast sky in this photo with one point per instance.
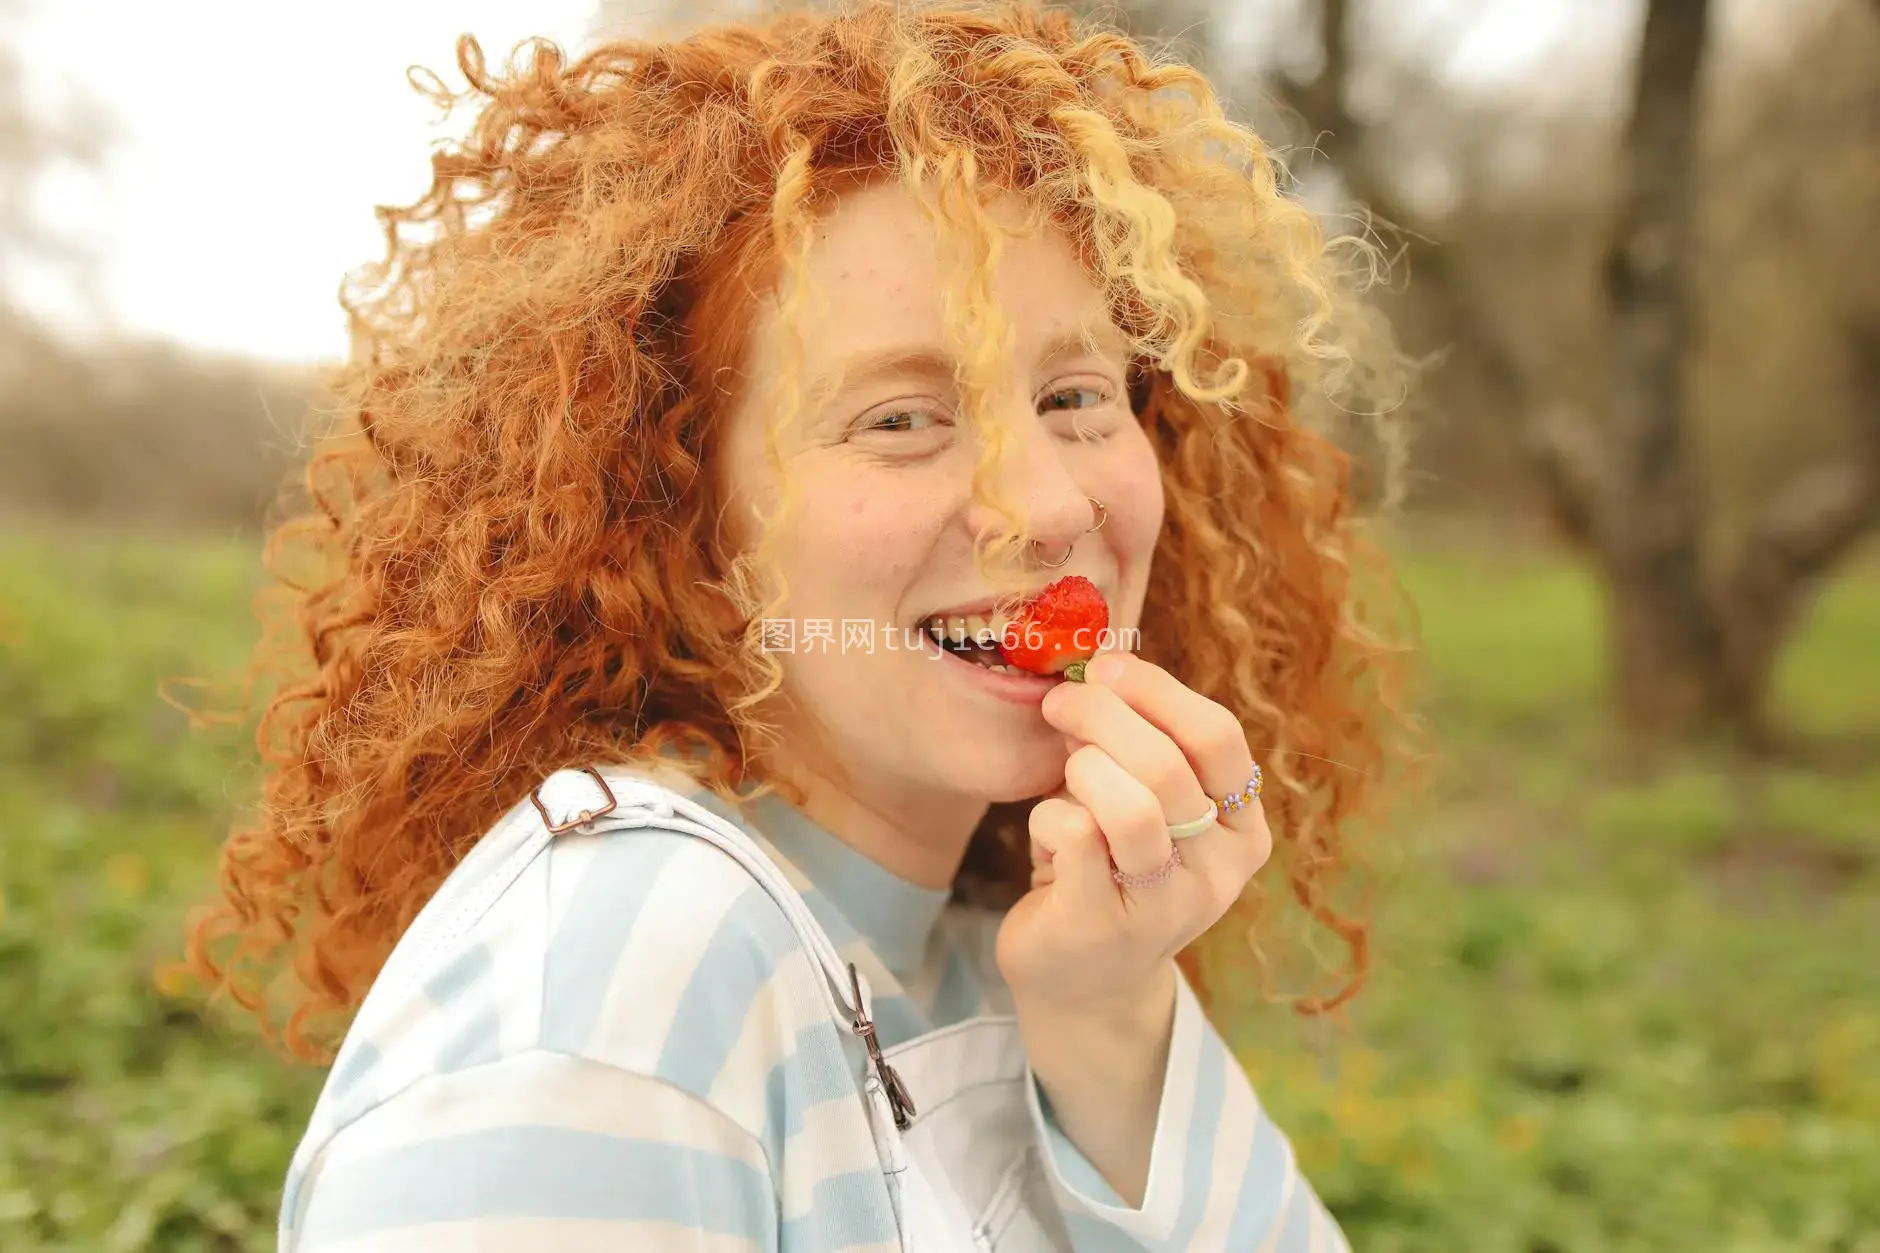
(252, 147)
(254, 137)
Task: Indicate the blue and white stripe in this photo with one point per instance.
(620, 1043)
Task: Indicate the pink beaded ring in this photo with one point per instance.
(1153, 877)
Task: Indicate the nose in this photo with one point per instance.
(1036, 477)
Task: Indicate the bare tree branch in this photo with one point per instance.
(1685, 647)
(1828, 509)
(1559, 445)
(1816, 519)
(34, 140)
(1806, 528)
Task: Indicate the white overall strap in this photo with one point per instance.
(594, 801)
(639, 802)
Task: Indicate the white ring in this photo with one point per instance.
(1189, 830)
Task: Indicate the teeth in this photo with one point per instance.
(979, 628)
(956, 630)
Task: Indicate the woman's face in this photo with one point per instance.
(883, 537)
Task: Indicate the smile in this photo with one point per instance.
(973, 639)
(981, 668)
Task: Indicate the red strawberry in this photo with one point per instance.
(1058, 630)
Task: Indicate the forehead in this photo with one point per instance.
(879, 273)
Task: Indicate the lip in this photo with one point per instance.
(1018, 689)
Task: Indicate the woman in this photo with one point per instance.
(664, 931)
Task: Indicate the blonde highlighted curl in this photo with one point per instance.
(511, 562)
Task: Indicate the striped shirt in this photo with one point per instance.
(617, 1041)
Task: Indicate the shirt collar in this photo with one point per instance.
(896, 917)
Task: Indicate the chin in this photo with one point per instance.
(1021, 773)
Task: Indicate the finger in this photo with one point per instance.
(1211, 738)
(1043, 869)
(1099, 715)
(1073, 850)
(1208, 734)
(1233, 849)
(1127, 813)
(1223, 859)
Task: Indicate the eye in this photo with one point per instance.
(1082, 404)
(1098, 397)
(895, 421)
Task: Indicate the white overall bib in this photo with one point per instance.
(963, 1167)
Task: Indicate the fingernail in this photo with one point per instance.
(1105, 669)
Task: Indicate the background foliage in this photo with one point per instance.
(1620, 1003)
(1610, 1013)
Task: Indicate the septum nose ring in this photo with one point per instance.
(1102, 513)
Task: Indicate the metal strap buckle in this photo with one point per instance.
(586, 815)
(900, 1101)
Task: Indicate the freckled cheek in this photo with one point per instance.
(863, 543)
(1136, 510)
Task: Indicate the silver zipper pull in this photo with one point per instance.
(900, 1103)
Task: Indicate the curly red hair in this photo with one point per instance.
(498, 570)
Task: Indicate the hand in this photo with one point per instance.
(1147, 753)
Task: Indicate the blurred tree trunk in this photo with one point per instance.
(1668, 650)
(1694, 646)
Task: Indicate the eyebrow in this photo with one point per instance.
(887, 362)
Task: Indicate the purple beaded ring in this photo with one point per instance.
(1244, 797)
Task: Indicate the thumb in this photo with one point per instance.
(1074, 844)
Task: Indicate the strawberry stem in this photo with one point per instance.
(1075, 671)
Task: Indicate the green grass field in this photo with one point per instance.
(1606, 1013)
